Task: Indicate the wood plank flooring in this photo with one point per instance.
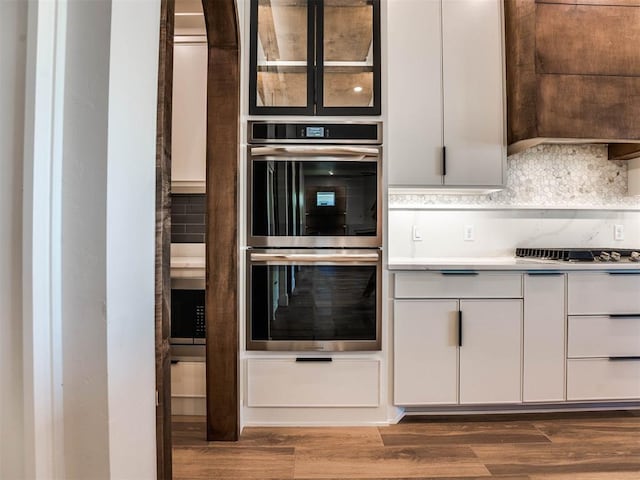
(556, 446)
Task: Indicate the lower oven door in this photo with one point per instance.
(319, 300)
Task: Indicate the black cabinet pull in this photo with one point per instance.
(459, 328)
(624, 315)
(623, 272)
(452, 273)
(624, 359)
(544, 273)
(444, 160)
(314, 359)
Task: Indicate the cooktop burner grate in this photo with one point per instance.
(575, 254)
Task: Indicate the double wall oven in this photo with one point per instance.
(314, 234)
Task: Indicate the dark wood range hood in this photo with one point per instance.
(573, 74)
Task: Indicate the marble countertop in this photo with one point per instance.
(503, 263)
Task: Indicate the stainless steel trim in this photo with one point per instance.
(376, 141)
(352, 241)
(325, 257)
(355, 153)
(315, 257)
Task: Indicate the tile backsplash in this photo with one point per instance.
(188, 218)
(568, 176)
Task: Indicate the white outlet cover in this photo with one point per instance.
(618, 232)
(468, 234)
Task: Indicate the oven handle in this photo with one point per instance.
(354, 153)
(315, 257)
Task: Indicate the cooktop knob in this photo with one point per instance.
(615, 256)
(634, 257)
(604, 256)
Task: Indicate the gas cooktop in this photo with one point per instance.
(581, 254)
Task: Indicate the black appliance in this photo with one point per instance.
(187, 318)
(581, 254)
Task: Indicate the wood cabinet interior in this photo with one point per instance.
(573, 73)
(283, 53)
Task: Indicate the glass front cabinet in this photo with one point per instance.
(315, 57)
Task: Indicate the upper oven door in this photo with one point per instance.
(314, 196)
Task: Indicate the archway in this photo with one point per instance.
(223, 109)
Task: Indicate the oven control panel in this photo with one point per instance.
(280, 132)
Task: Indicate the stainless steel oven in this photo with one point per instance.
(325, 192)
(313, 299)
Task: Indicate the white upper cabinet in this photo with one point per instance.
(446, 124)
(189, 118)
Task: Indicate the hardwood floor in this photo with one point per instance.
(567, 446)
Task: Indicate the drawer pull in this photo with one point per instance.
(625, 315)
(470, 273)
(544, 273)
(623, 359)
(459, 328)
(623, 272)
(314, 359)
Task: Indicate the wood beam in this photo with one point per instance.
(163, 242)
(223, 114)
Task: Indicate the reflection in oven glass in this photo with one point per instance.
(314, 198)
(313, 302)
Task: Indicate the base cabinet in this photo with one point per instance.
(457, 351)
(491, 351)
(426, 352)
(603, 336)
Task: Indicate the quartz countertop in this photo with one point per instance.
(187, 260)
(503, 263)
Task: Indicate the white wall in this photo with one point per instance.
(88, 240)
(133, 87)
(13, 28)
(83, 208)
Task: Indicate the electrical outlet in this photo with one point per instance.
(468, 235)
(416, 234)
(618, 232)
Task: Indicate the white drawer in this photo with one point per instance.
(603, 379)
(604, 336)
(188, 379)
(598, 293)
(456, 285)
(287, 383)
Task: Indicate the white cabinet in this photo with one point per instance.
(445, 93)
(491, 351)
(457, 350)
(544, 337)
(603, 336)
(189, 118)
(290, 382)
(426, 352)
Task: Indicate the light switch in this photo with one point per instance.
(416, 234)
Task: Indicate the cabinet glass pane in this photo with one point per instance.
(282, 53)
(348, 53)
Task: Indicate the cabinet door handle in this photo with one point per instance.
(452, 273)
(623, 272)
(459, 328)
(624, 359)
(444, 160)
(625, 315)
(314, 359)
(544, 273)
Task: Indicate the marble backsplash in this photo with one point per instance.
(546, 176)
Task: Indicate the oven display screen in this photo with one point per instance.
(314, 132)
(325, 199)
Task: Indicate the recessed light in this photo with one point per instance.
(357, 89)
